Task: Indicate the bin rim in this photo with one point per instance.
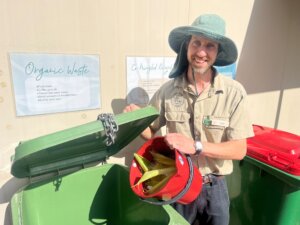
(287, 178)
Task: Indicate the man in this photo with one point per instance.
(205, 113)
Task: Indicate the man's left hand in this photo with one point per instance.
(180, 142)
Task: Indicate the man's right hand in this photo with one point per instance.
(131, 107)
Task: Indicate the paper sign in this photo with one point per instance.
(50, 83)
(145, 75)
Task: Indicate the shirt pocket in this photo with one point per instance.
(215, 128)
(178, 122)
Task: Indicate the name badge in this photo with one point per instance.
(221, 123)
(209, 121)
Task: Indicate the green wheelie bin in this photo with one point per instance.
(70, 183)
(264, 187)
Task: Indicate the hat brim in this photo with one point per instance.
(227, 49)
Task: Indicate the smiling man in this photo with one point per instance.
(205, 114)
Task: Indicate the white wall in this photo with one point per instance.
(268, 64)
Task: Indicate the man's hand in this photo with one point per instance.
(131, 107)
(180, 142)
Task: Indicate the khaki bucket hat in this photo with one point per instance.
(209, 26)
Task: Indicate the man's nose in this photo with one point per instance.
(202, 51)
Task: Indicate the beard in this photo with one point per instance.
(201, 71)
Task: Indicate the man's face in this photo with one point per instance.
(201, 53)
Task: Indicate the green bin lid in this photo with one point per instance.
(78, 145)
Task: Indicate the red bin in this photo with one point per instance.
(177, 183)
(276, 148)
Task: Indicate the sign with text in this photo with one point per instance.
(145, 75)
(50, 83)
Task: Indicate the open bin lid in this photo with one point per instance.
(277, 148)
(78, 145)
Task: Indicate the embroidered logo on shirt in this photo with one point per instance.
(177, 100)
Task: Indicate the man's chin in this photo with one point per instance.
(201, 70)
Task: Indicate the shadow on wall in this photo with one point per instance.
(269, 57)
(271, 43)
(117, 106)
(7, 191)
(139, 97)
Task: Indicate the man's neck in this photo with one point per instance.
(198, 80)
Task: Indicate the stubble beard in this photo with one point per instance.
(201, 71)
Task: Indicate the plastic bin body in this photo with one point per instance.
(67, 189)
(96, 195)
(261, 192)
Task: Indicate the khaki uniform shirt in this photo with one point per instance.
(217, 115)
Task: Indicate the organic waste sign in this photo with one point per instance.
(49, 83)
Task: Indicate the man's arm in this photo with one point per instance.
(234, 150)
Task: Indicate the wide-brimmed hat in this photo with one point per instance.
(209, 26)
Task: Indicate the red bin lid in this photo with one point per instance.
(277, 148)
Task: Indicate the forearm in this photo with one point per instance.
(147, 133)
(235, 150)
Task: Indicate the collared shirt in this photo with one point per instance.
(217, 115)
